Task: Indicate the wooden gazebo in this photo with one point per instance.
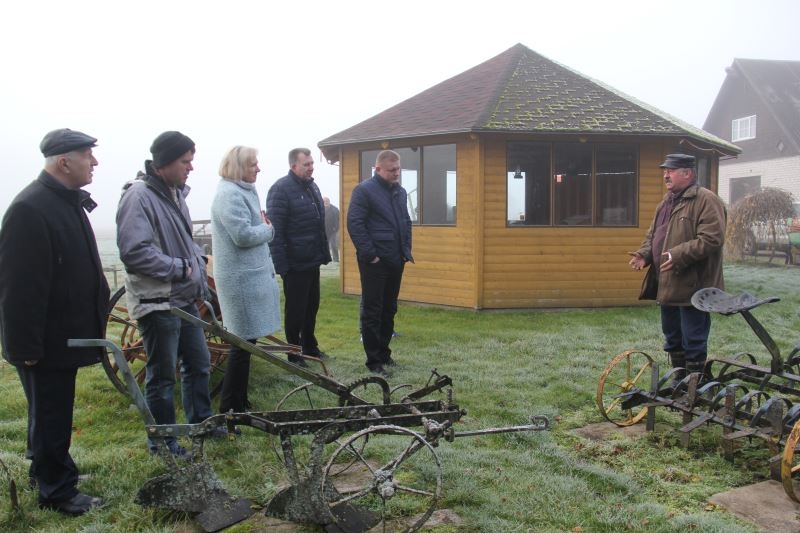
(528, 183)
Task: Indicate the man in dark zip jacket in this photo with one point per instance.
(380, 228)
(299, 248)
(52, 288)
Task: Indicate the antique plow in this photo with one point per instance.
(745, 398)
(347, 484)
(124, 331)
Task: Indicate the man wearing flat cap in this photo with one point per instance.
(52, 288)
(165, 268)
(684, 250)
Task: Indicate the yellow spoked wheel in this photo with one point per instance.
(622, 375)
(790, 465)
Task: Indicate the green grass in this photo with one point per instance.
(505, 367)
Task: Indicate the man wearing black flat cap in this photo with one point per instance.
(165, 268)
(684, 250)
(52, 288)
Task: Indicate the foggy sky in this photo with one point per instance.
(280, 75)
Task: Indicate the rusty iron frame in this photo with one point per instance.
(747, 399)
(193, 486)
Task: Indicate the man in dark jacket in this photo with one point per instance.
(52, 288)
(299, 248)
(380, 228)
(684, 248)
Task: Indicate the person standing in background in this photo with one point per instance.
(332, 227)
(243, 271)
(165, 268)
(684, 248)
(52, 288)
(380, 228)
(299, 248)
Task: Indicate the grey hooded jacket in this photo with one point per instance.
(164, 267)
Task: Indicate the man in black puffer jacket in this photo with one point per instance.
(299, 248)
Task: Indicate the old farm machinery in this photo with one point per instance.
(124, 332)
(390, 442)
(744, 397)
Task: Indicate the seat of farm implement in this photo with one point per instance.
(719, 301)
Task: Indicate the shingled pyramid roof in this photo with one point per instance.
(519, 91)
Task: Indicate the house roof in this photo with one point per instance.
(519, 91)
(777, 84)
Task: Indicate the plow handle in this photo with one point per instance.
(539, 423)
(122, 363)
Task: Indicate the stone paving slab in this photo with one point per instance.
(764, 504)
(604, 430)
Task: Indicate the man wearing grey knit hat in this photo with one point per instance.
(165, 268)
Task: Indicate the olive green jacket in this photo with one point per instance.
(695, 237)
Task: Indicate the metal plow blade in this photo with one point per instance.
(195, 489)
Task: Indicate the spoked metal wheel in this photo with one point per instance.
(304, 396)
(409, 484)
(124, 332)
(790, 465)
(627, 371)
(372, 389)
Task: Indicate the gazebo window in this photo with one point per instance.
(616, 180)
(571, 184)
(429, 177)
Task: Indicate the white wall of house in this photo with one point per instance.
(782, 173)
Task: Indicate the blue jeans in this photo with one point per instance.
(167, 338)
(686, 329)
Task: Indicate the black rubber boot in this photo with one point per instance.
(678, 359)
(695, 366)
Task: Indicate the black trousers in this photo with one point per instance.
(301, 303)
(380, 286)
(51, 397)
(234, 385)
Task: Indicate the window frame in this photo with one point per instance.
(596, 219)
(418, 195)
(737, 125)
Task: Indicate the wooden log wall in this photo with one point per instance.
(481, 263)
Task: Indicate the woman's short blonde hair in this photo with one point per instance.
(236, 161)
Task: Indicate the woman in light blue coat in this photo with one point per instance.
(243, 271)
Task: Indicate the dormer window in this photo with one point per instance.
(743, 128)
